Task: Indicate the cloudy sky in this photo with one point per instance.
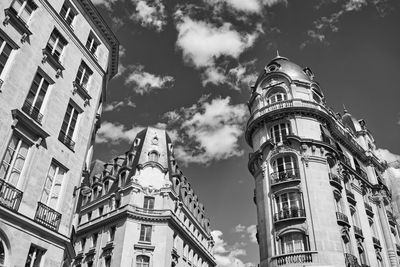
(186, 65)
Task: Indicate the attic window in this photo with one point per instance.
(309, 73)
(272, 67)
(154, 156)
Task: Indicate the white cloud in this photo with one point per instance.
(227, 256)
(246, 6)
(117, 105)
(386, 155)
(211, 131)
(106, 3)
(150, 14)
(202, 43)
(240, 228)
(146, 82)
(249, 231)
(115, 133)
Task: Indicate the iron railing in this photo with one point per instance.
(32, 111)
(291, 213)
(297, 257)
(66, 140)
(284, 176)
(149, 211)
(10, 197)
(47, 217)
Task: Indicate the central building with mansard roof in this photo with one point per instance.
(320, 195)
(142, 211)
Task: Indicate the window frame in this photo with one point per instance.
(58, 168)
(145, 233)
(149, 201)
(92, 42)
(280, 129)
(282, 247)
(23, 8)
(36, 250)
(79, 78)
(59, 39)
(70, 9)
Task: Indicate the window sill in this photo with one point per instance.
(67, 141)
(48, 57)
(144, 245)
(18, 23)
(82, 92)
(29, 124)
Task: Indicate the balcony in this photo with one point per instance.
(350, 197)
(392, 220)
(358, 232)
(53, 59)
(285, 176)
(10, 197)
(47, 217)
(32, 111)
(342, 219)
(376, 242)
(293, 258)
(287, 214)
(335, 181)
(82, 91)
(66, 140)
(149, 211)
(351, 260)
(368, 209)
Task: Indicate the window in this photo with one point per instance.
(83, 75)
(68, 126)
(2, 254)
(89, 216)
(23, 9)
(68, 12)
(361, 253)
(284, 168)
(277, 97)
(293, 242)
(94, 239)
(53, 186)
(279, 132)
(354, 216)
(34, 258)
(92, 43)
(101, 211)
(107, 262)
(145, 233)
(112, 233)
(153, 156)
(185, 250)
(35, 98)
(5, 51)
(13, 160)
(56, 44)
(289, 205)
(83, 243)
(317, 97)
(148, 203)
(142, 261)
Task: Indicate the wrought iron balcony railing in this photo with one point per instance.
(293, 258)
(10, 197)
(291, 213)
(47, 217)
(285, 176)
(342, 219)
(32, 111)
(66, 140)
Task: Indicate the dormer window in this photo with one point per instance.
(309, 73)
(68, 13)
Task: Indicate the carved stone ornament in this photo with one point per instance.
(305, 159)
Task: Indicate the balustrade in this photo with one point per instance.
(10, 197)
(284, 176)
(298, 257)
(47, 217)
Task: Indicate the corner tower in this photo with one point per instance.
(140, 210)
(320, 196)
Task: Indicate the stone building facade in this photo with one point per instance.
(320, 195)
(142, 211)
(56, 58)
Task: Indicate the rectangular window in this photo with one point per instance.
(53, 186)
(92, 43)
(35, 256)
(5, 51)
(35, 98)
(68, 12)
(112, 233)
(13, 160)
(107, 262)
(23, 9)
(68, 126)
(148, 203)
(145, 233)
(83, 75)
(83, 243)
(89, 216)
(94, 239)
(56, 44)
(101, 211)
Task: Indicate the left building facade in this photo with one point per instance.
(56, 58)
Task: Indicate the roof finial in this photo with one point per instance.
(277, 53)
(344, 109)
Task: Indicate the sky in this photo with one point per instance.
(187, 66)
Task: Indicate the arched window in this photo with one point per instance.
(276, 95)
(284, 168)
(317, 97)
(279, 132)
(142, 261)
(123, 177)
(289, 205)
(361, 253)
(154, 156)
(293, 242)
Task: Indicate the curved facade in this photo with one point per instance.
(142, 211)
(320, 196)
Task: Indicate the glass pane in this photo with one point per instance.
(42, 94)
(17, 5)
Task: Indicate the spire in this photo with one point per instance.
(279, 56)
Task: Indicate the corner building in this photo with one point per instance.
(320, 196)
(142, 211)
(56, 58)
